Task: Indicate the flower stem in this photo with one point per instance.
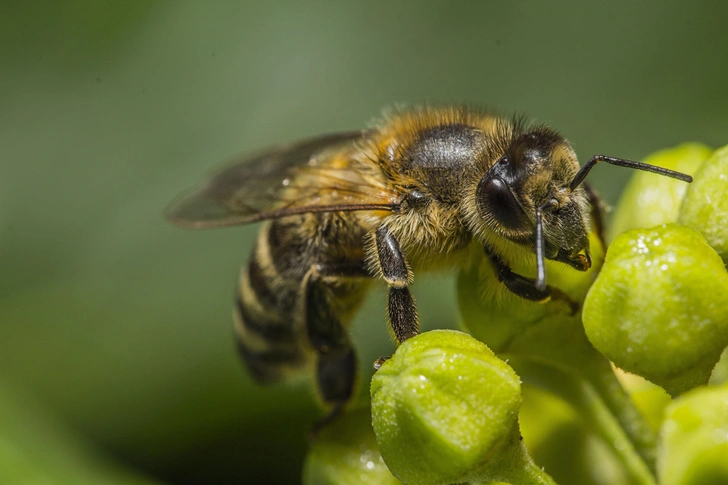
(529, 474)
(596, 413)
(514, 465)
(585, 368)
(611, 394)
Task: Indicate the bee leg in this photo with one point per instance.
(395, 270)
(336, 366)
(335, 379)
(378, 363)
(336, 271)
(526, 287)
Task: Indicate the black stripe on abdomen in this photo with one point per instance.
(268, 326)
(268, 366)
(268, 348)
(259, 284)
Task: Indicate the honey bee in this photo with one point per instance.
(413, 194)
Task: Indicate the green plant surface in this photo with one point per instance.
(649, 398)
(445, 411)
(720, 372)
(659, 307)
(346, 453)
(647, 200)
(548, 338)
(694, 439)
(603, 408)
(553, 428)
(705, 207)
(496, 316)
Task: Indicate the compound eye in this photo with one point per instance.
(496, 201)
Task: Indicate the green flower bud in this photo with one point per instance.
(445, 410)
(346, 452)
(659, 307)
(650, 200)
(705, 207)
(694, 446)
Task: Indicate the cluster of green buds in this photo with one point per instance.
(445, 408)
(659, 308)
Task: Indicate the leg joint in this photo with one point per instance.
(392, 263)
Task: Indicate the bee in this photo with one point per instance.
(415, 193)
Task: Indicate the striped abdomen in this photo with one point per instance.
(270, 311)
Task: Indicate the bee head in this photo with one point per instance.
(527, 191)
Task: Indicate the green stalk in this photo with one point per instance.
(532, 474)
(604, 383)
(594, 410)
(520, 469)
(544, 345)
(513, 465)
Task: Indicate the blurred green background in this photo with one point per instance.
(115, 328)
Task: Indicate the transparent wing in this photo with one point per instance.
(314, 175)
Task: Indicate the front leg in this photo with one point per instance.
(526, 287)
(392, 266)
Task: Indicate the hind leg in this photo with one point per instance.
(336, 374)
(336, 366)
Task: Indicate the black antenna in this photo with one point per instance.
(584, 171)
(540, 258)
(540, 263)
(551, 205)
